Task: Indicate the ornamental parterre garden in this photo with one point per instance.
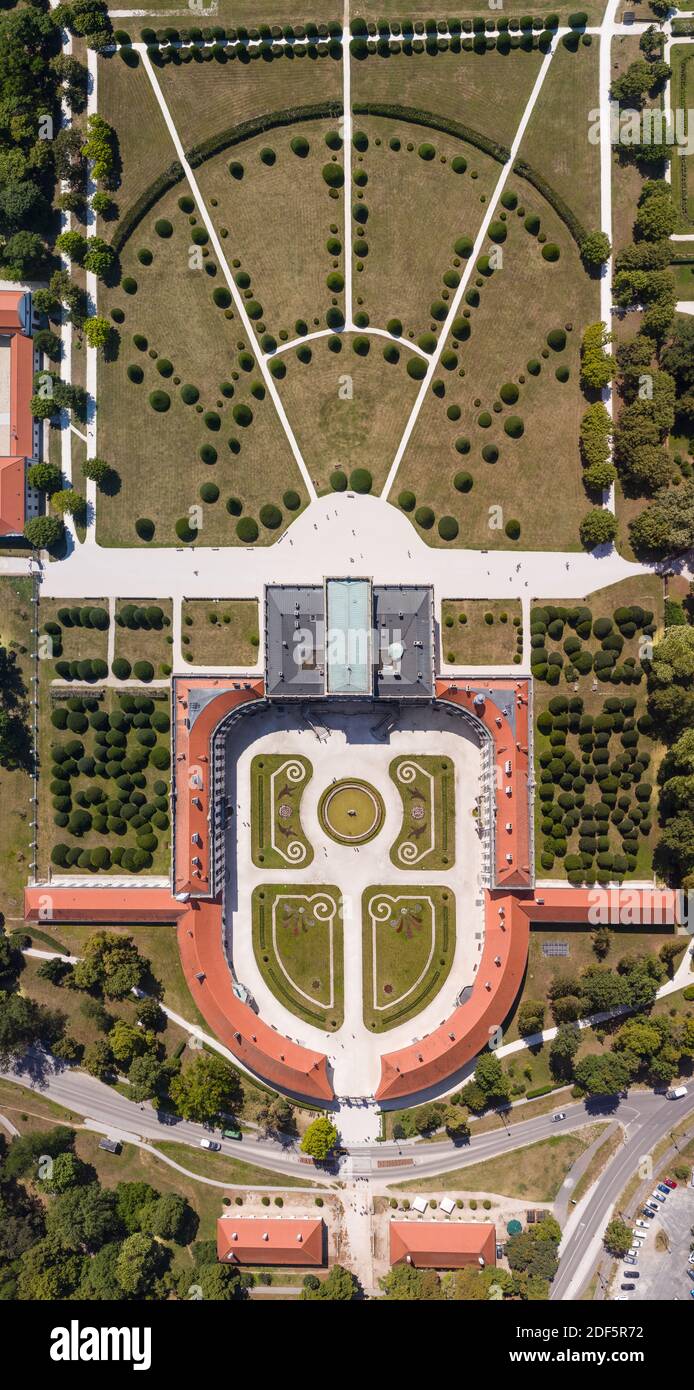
(347, 615)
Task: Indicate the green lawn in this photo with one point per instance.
(220, 632)
(682, 99)
(151, 643)
(427, 789)
(231, 1170)
(468, 639)
(408, 942)
(297, 940)
(534, 1173)
(277, 787)
(159, 946)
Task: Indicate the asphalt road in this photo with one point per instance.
(648, 1124)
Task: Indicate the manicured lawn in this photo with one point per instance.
(276, 220)
(534, 1173)
(461, 460)
(556, 141)
(486, 91)
(468, 639)
(400, 258)
(231, 640)
(646, 592)
(16, 619)
(682, 99)
(297, 940)
(126, 100)
(217, 440)
(77, 641)
(684, 280)
(427, 790)
(208, 97)
(146, 643)
(408, 941)
(347, 410)
(277, 786)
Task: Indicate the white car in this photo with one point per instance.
(691, 1258)
(657, 1196)
(640, 1222)
(559, 1115)
(210, 1144)
(634, 1252)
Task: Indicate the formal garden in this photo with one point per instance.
(104, 783)
(143, 640)
(596, 752)
(277, 786)
(427, 790)
(408, 942)
(73, 640)
(297, 941)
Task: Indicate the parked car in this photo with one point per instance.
(642, 1223)
(690, 1272)
(670, 1182)
(691, 1293)
(662, 1187)
(210, 1144)
(627, 1286)
(647, 1212)
(631, 1274)
(634, 1252)
(676, 1092)
(629, 1260)
(499, 1251)
(232, 1134)
(658, 1195)
(691, 1258)
(559, 1115)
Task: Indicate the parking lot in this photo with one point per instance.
(662, 1262)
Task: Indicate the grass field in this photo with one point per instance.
(231, 640)
(127, 101)
(427, 790)
(206, 98)
(408, 942)
(682, 165)
(347, 411)
(16, 620)
(78, 643)
(277, 786)
(487, 91)
(297, 940)
(556, 139)
(460, 436)
(646, 591)
(228, 435)
(535, 1173)
(400, 259)
(278, 220)
(468, 639)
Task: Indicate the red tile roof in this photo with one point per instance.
(49, 902)
(21, 425)
(442, 1244)
(511, 805)
(265, 1051)
(274, 1240)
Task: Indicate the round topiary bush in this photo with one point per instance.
(407, 501)
(458, 164)
(184, 530)
(186, 204)
(236, 169)
(509, 393)
(143, 670)
(189, 394)
(360, 480)
(292, 500)
(484, 420)
(247, 530)
(514, 426)
(424, 516)
(164, 366)
(512, 529)
(243, 415)
(463, 482)
(129, 284)
(562, 374)
(145, 256)
(416, 368)
(532, 223)
(160, 401)
(221, 297)
(270, 516)
(268, 156)
(427, 152)
(509, 200)
(490, 453)
(556, 339)
(121, 668)
(448, 528)
(300, 146)
(207, 453)
(234, 506)
(209, 492)
(135, 374)
(144, 528)
(334, 175)
(163, 228)
(338, 480)
(550, 251)
(498, 232)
